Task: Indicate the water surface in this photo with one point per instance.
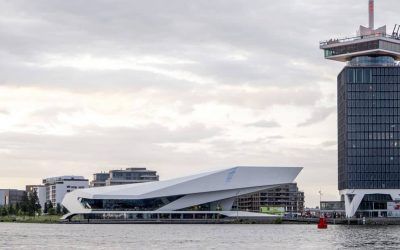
(54, 236)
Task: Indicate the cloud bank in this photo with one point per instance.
(177, 86)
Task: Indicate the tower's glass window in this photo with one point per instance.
(359, 75)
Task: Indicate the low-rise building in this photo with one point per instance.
(285, 197)
(11, 196)
(333, 209)
(124, 176)
(57, 187)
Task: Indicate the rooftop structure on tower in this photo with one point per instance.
(369, 42)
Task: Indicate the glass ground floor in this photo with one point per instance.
(147, 216)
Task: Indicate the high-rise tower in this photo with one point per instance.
(368, 118)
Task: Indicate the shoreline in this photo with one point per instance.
(312, 221)
(47, 219)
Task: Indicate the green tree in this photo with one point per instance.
(58, 208)
(11, 210)
(33, 204)
(25, 204)
(46, 208)
(50, 208)
(51, 211)
(17, 209)
(3, 211)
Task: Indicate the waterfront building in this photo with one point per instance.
(368, 118)
(124, 176)
(286, 196)
(332, 209)
(40, 192)
(11, 196)
(57, 187)
(202, 196)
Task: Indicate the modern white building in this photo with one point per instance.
(201, 196)
(58, 187)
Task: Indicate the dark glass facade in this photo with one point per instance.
(369, 127)
(362, 46)
(129, 205)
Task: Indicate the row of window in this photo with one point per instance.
(389, 46)
(373, 95)
(372, 104)
(374, 176)
(373, 136)
(371, 184)
(364, 75)
(360, 128)
(360, 75)
(384, 79)
(75, 187)
(372, 152)
(373, 111)
(373, 119)
(351, 48)
(382, 87)
(374, 160)
(373, 168)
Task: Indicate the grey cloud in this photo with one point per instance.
(268, 46)
(275, 137)
(328, 143)
(317, 116)
(4, 112)
(264, 124)
(206, 33)
(52, 112)
(266, 97)
(95, 146)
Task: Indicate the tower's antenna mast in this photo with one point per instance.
(371, 8)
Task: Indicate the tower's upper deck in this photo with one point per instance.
(379, 44)
(369, 42)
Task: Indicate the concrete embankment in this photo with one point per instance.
(352, 221)
(272, 220)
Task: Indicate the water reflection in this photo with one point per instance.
(367, 237)
(39, 236)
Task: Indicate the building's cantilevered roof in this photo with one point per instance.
(373, 45)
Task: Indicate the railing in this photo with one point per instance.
(350, 39)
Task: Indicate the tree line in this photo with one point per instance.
(30, 206)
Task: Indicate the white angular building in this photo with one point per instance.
(201, 196)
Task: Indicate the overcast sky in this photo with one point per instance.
(177, 86)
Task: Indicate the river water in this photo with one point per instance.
(55, 236)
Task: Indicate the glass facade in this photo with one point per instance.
(352, 48)
(369, 127)
(372, 61)
(128, 205)
(362, 47)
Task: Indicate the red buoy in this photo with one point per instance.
(322, 224)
